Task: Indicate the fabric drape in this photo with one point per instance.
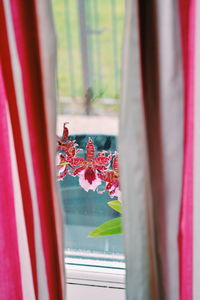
(159, 148)
(141, 269)
(31, 246)
(163, 106)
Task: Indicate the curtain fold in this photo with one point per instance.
(166, 86)
(135, 179)
(186, 219)
(152, 81)
(196, 183)
(27, 93)
(163, 101)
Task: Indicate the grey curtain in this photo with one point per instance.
(150, 144)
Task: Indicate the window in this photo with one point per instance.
(89, 37)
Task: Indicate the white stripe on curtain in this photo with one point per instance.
(171, 123)
(136, 194)
(47, 44)
(25, 262)
(196, 175)
(43, 291)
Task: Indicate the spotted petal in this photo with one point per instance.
(65, 132)
(89, 182)
(102, 160)
(115, 164)
(90, 149)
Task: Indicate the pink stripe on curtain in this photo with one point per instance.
(10, 90)
(25, 42)
(10, 278)
(187, 19)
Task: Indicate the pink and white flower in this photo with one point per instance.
(62, 166)
(111, 177)
(89, 169)
(92, 170)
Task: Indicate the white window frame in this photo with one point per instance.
(96, 275)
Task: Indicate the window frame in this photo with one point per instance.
(95, 270)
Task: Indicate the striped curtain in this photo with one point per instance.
(160, 149)
(31, 246)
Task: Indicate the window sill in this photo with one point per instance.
(102, 277)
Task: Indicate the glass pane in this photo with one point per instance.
(89, 85)
(86, 210)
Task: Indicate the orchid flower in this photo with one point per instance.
(62, 166)
(111, 177)
(89, 169)
(92, 170)
(66, 155)
(65, 145)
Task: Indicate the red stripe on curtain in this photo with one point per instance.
(28, 50)
(13, 110)
(10, 277)
(26, 39)
(187, 8)
(11, 97)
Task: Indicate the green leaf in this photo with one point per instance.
(110, 227)
(116, 205)
(63, 164)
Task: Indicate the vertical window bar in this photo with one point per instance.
(92, 33)
(85, 54)
(90, 39)
(115, 46)
(69, 50)
(98, 45)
